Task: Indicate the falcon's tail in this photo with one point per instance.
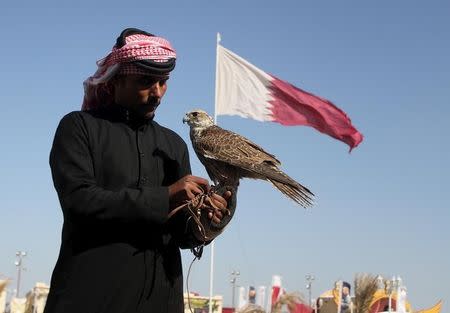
(297, 192)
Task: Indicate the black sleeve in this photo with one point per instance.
(80, 196)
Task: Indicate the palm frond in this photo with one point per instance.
(252, 308)
(3, 284)
(365, 287)
(288, 299)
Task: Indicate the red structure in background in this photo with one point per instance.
(301, 308)
(382, 305)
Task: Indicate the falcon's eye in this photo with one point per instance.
(195, 114)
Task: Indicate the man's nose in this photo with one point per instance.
(156, 89)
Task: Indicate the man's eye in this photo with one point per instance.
(147, 81)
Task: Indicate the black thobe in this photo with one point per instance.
(119, 253)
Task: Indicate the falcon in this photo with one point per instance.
(228, 157)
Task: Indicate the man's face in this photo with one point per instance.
(140, 93)
(345, 291)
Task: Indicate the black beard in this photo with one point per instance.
(153, 101)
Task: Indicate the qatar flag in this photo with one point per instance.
(245, 90)
(277, 291)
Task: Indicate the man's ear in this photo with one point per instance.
(115, 82)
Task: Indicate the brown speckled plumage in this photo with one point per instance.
(228, 157)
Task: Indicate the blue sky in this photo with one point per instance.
(381, 209)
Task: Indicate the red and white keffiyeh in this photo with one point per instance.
(137, 47)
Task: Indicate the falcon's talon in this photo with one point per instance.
(211, 203)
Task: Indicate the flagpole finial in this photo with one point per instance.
(219, 38)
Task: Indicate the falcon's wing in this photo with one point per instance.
(222, 145)
(226, 146)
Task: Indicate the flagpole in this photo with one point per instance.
(211, 269)
(211, 277)
(218, 39)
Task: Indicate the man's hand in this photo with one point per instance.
(219, 202)
(209, 211)
(186, 188)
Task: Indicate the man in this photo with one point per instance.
(346, 298)
(118, 175)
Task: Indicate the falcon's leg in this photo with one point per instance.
(220, 189)
(217, 189)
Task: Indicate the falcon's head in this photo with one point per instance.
(198, 119)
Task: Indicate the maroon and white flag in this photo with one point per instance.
(245, 90)
(276, 293)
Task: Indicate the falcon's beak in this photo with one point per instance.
(185, 119)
